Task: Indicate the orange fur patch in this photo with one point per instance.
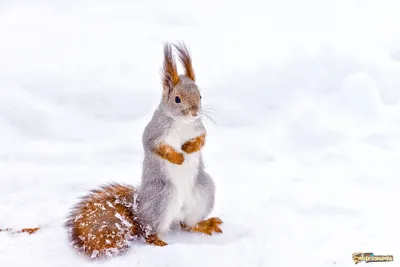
(194, 144)
(206, 227)
(184, 57)
(170, 154)
(170, 73)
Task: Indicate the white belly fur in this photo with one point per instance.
(182, 176)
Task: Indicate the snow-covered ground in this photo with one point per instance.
(305, 153)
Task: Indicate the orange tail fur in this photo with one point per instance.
(104, 223)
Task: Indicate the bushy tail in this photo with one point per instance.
(103, 222)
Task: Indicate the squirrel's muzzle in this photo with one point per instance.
(194, 111)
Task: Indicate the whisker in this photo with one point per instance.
(210, 111)
(204, 120)
(207, 122)
(207, 118)
(211, 119)
(208, 107)
(207, 112)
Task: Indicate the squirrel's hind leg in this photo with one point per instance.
(200, 206)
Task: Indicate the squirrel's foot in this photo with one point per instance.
(194, 145)
(206, 227)
(155, 240)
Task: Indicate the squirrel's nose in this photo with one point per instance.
(194, 110)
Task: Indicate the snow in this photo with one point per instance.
(306, 148)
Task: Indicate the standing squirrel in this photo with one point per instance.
(175, 189)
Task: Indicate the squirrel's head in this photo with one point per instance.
(181, 96)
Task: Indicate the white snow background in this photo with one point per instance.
(306, 150)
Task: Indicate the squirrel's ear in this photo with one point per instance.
(184, 57)
(170, 77)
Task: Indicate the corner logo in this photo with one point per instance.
(370, 257)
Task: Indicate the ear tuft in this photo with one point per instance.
(170, 77)
(184, 57)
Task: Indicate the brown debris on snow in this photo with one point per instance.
(23, 230)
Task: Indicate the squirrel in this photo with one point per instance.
(175, 189)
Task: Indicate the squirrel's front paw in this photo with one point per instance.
(170, 154)
(194, 144)
(177, 158)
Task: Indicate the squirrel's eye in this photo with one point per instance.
(177, 99)
(200, 96)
